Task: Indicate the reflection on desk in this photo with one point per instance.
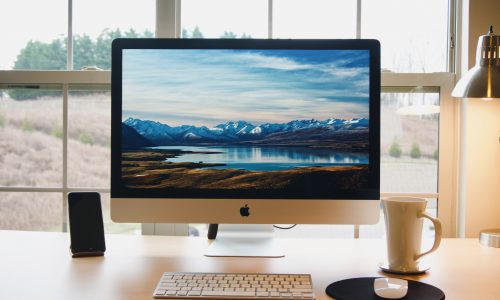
(38, 265)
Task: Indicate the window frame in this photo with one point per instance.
(168, 24)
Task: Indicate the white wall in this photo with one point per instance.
(483, 134)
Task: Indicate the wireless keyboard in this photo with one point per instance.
(195, 285)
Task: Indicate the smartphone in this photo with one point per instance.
(85, 224)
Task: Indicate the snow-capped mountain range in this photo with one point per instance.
(233, 132)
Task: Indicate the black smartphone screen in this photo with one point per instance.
(85, 221)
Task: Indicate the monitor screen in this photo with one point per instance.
(243, 120)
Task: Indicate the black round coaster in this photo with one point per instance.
(362, 289)
(421, 269)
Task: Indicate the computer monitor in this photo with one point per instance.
(245, 131)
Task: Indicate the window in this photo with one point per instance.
(314, 19)
(31, 136)
(224, 19)
(97, 23)
(63, 117)
(409, 140)
(40, 211)
(414, 34)
(409, 148)
(89, 137)
(30, 39)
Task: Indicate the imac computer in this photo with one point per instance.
(246, 131)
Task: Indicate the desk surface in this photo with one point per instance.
(38, 265)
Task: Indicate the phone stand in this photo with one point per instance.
(85, 253)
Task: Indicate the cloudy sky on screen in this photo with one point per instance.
(209, 87)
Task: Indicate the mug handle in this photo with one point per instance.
(437, 236)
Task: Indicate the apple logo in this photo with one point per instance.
(245, 211)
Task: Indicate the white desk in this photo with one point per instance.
(39, 265)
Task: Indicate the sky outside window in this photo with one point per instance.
(217, 18)
(25, 20)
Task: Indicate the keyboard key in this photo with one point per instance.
(159, 292)
(301, 290)
(302, 286)
(227, 294)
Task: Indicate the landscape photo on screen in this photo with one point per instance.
(268, 120)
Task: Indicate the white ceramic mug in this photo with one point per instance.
(403, 223)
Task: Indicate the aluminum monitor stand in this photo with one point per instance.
(243, 241)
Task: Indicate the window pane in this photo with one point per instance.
(33, 34)
(89, 133)
(409, 140)
(31, 136)
(96, 23)
(314, 19)
(224, 18)
(413, 34)
(31, 211)
(112, 227)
